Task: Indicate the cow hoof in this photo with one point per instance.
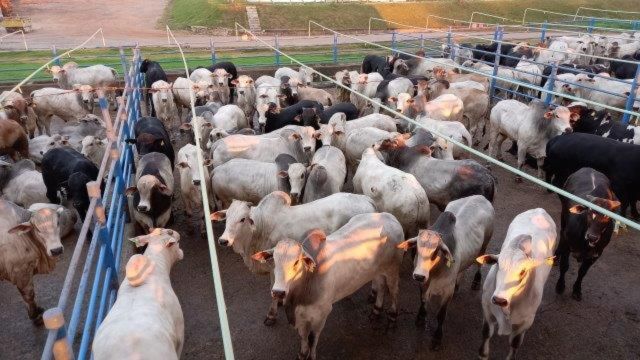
(269, 321)
(475, 285)
(559, 288)
(577, 296)
(518, 179)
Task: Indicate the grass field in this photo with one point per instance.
(16, 65)
(216, 13)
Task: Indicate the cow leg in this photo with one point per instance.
(392, 285)
(522, 156)
(421, 318)
(515, 341)
(273, 309)
(436, 342)
(487, 332)
(316, 329)
(376, 285)
(540, 163)
(47, 124)
(577, 286)
(563, 252)
(304, 330)
(377, 306)
(29, 296)
(477, 278)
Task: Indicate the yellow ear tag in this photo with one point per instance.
(449, 262)
(549, 261)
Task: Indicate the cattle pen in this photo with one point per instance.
(94, 273)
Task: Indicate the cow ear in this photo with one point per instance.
(577, 209)
(208, 163)
(131, 190)
(408, 244)
(218, 215)
(309, 263)
(425, 150)
(393, 98)
(21, 228)
(574, 117)
(444, 249)
(524, 243)
(140, 241)
(317, 135)
(487, 259)
(297, 118)
(263, 256)
(614, 205)
(182, 165)
(234, 82)
(316, 237)
(283, 174)
(548, 115)
(295, 136)
(185, 126)
(165, 189)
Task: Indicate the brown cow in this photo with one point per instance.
(13, 140)
(26, 115)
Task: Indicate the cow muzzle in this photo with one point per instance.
(592, 240)
(307, 148)
(85, 101)
(496, 300)
(196, 182)
(143, 208)
(241, 92)
(224, 241)
(419, 278)
(278, 294)
(164, 100)
(57, 251)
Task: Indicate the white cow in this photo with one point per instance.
(461, 233)
(30, 244)
(230, 118)
(513, 288)
(336, 131)
(39, 145)
(190, 179)
(98, 76)
(164, 103)
(221, 85)
(94, 148)
(146, 320)
(450, 129)
(246, 96)
(304, 75)
(181, 89)
(257, 148)
(361, 139)
(25, 185)
(393, 191)
(68, 105)
(531, 126)
(312, 275)
(326, 175)
(252, 229)
(367, 84)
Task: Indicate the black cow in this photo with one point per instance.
(151, 136)
(623, 70)
(288, 97)
(66, 171)
(618, 161)
(152, 73)
(375, 63)
(584, 232)
(304, 113)
(231, 69)
(488, 52)
(601, 123)
(350, 110)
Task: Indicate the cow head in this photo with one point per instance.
(239, 225)
(309, 117)
(297, 175)
(515, 265)
(221, 77)
(292, 261)
(162, 90)
(561, 119)
(596, 222)
(92, 145)
(401, 67)
(43, 226)
(215, 135)
(188, 165)
(159, 241)
(57, 72)
(146, 186)
(432, 252)
(243, 84)
(85, 93)
(335, 127)
(305, 75)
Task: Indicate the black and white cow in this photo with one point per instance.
(584, 232)
(601, 123)
(152, 136)
(305, 113)
(65, 171)
(152, 72)
(153, 191)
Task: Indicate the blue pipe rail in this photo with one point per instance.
(108, 231)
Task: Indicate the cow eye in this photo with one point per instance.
(51, 143)
(522, 272)
(302, 176)
(243, 220)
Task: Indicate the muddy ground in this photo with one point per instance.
(605, 325)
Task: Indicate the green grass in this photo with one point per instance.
(216, 13)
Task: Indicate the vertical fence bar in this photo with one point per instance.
(592, 23)
(213, 51)
(550, 83)
(54, 320)
(335, 48)
(422, 42)
(393, 43)
(277, 52)
(496, 63)
(123, 62)
(632, 96)
(543, 32)
(54, 53)
(450, 44)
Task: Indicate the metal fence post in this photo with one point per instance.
(592, 23)
(277, 52)
(422, 42)
(543, 32)
(450, 44)
(54, 52)
(54, 320)
(123, 62)
(551, 83)
(496, 62)
(335, 48)
(393, 42)
(213, 51)
(632, 97)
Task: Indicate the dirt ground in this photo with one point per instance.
(605, 325)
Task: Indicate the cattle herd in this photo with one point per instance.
(325, 191)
